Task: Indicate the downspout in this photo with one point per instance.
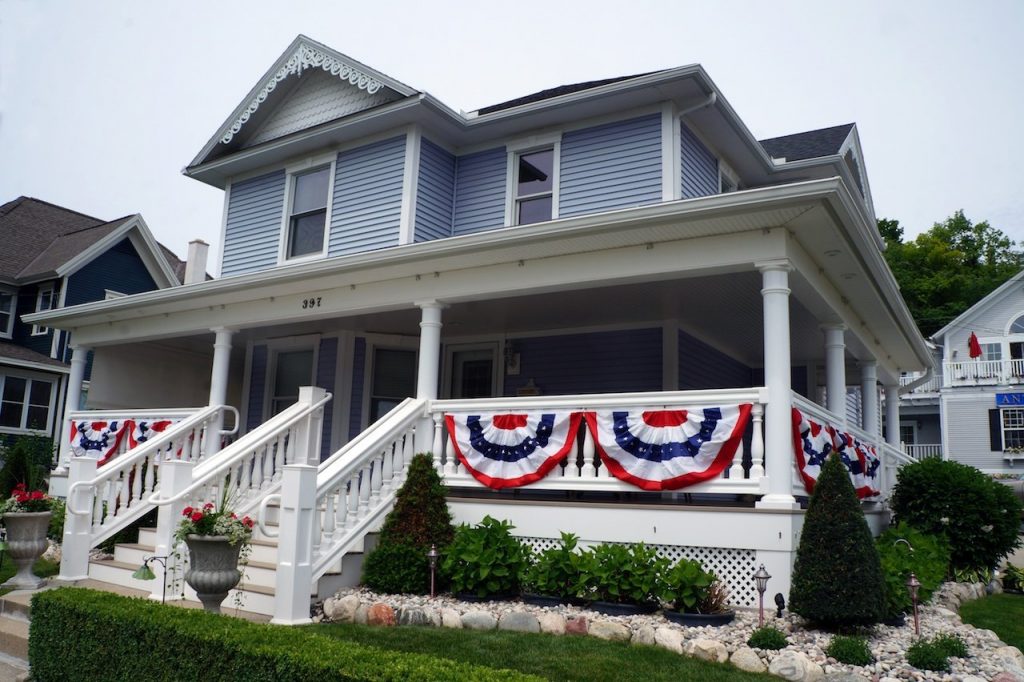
(918, 382)
(712, 98)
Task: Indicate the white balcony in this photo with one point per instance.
(983, 372)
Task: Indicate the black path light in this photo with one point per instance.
(761, 578)
(144, 572)
(913, 585)
(432, 556)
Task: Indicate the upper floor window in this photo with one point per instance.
(1018, 326)
(307, 219)
(7, 309)
(535, 185)
(991, 351)
(45, 300)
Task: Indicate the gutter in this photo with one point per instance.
(929, 372)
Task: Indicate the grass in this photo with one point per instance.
(551, 657)
(1001, 613)
(44, 568)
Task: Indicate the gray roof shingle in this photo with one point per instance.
(807, 145)
(555, 92)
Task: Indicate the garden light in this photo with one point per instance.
(761, 578)
(432, 556)
(144, 572)
(913, 585)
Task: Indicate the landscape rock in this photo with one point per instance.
(552, 623)
(746, 659)
(361, 614)
(479, 620)
(450, 618)
(519, 621)
(846, 676)
(644, 635)
(707, 650)
(576, 626)
(606, 629)
(669, 638)
(1007, 677)
(380, 614)
(796, 667)
(1010, 653)
(342, 610)
(413, 616)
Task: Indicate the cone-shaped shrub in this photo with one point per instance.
(419, 519)
(837, 579)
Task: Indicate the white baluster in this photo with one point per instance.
(282, 443)
(757, 442)
(136, 478)
(318, 526)
(268, 466)
(438, 440)
(97, 506)
(339, 511)
(387, 471)
(353, 502)
(150, 473)
(450, 460)
(408, 453)
(364, 491)
(376, 466)
(113, 488)
(589, 471)
(329, 515)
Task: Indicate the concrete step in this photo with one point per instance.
(263, 549)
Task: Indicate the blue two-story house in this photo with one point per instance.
(54, 257)
(620, 249)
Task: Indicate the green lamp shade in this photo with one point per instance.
(144, 573)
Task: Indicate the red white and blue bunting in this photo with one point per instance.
(668, 449)
(813, 442)
(102, 439)
(510, 450)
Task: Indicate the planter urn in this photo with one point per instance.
(26, 542)
(213, 568)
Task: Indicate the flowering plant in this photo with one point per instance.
(22, 500)
(212, 520)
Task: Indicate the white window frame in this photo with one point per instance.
(309, 165)
(526, 145)
(50, 408)
(497, 375)
(47, 290)
(286, 345)
(9, 331)
(1003, 414)
(382, 342)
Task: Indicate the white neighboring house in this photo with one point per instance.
(623, 245)
(973, 411)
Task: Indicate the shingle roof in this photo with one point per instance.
(555, 92)
(808, 145)
(65, 247)
(13, 352)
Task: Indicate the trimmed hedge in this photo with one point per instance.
(85, 635)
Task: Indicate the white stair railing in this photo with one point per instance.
(102, 501)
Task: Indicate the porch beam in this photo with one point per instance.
(835, 368)
(777, 366)
(869, 397)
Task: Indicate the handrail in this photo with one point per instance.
(156, 443)
(206, 471)
(602, 400)
(119, 414)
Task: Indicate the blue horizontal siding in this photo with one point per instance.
(702, 366)
(257, 387)
(253, 230)
(480, 191)
(326, 369)
(699, 166)
(120, 268)
(594, 362)
(616, 165)
(367, 205)
(435, 193)
(355, 412)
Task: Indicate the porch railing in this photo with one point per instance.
(64, 449)
(983, 372)
(920, 451)
(931, 386)
(583, 469)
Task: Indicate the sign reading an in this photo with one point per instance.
(1009, 399)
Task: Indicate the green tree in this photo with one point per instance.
(949, 268)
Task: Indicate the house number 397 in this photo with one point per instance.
(311, 302)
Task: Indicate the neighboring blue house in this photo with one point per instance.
(54, 257)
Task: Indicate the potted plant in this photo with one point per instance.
(695, 596)
(485, 561)
(624, 580)
(26, 516)
(218, 541)
(555, 576)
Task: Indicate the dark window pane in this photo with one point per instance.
(14, 390)
(535, 172)
(307, 234)
(10, 414)
(37, 418)
(310, 191)
(39, 393)
(5, 303)
(476, 379)
(381, 406)
(394, 373)
(534, 210)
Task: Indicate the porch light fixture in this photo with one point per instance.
(761, 578)
(913, 585)
(144, 572)
(432, 556)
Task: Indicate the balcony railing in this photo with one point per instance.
(983, 372)
(924, 451)
(930, 386)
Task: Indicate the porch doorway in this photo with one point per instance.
(473, 371)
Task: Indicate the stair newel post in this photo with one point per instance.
(175, 477)
(589, 470)
(294, 580)
(77, 540)
(438, 446)
(757, 442)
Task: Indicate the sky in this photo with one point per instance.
(103, 103)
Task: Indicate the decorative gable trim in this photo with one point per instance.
(306, 56)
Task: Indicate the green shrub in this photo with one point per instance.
(979, 516)
(837, 578)
(929, 561)
(924, 654)
(419, 519)
(56, 530)
(850, 650)
(1013, 577)
(624, 574)
(90, 636)
(951, 645)
(26, 460)
(768, 637)
(485, 560)
(687, 586)
(557, 571)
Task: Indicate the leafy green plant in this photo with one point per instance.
(686, 586)
(904, 550)
(419, 519)
(1013, 577)
(485, 560)
(850, 650)
(624, 574)
(979, 516)
(768, 637)
(924, 654)
(951, 645)
(26, 460)
(837, 578)
(558, 571)
(56, 530)
(972, 575)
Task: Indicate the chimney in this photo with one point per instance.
(195, 264)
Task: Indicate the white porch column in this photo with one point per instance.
(835, 368)
(778, 423)
(429, 367)
(869, 397)
(892, 415)
(72, 402)
(219, 384)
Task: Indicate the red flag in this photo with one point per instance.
(973, 347)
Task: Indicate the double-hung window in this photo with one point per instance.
(534, 186)
(45, 300)
(307, 217)
(26, 404)
(7, 313)
(1013, 427)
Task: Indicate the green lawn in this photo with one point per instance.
(1001, 613)
(555, 658)
(43, 568)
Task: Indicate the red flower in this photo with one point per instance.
(19, 488)
(187, 511)
(247, 522)
(21, 497)
(208, 505)
(197, 517)
(234, 515)
(37, 495)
